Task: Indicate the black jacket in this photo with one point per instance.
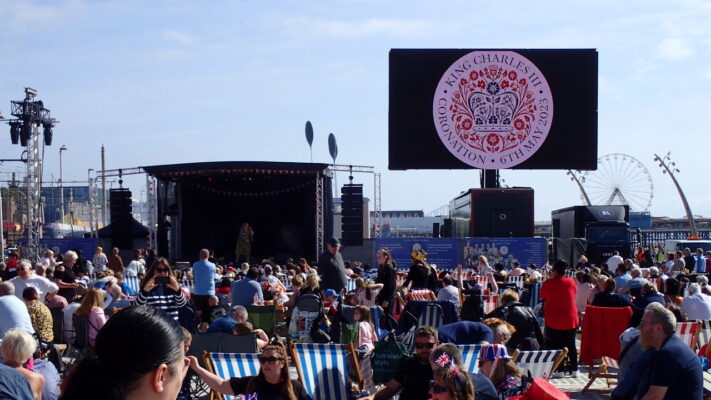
(386, 276)
(528, 334)
(422, 277)
(332, 271)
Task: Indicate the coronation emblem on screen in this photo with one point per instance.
(493, 109)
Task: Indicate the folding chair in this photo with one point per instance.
(539, 363)
(323, 369)
(704, 334)
(133, 282)
(482, 280)
(231, 365)
(377, 313)
(421, 295)
(688, 332)
(263, 317)
(432, 315)
(490, 302)
(189, 284)
(517, 280)
(603, 372)
(350, 285)
(470, 355)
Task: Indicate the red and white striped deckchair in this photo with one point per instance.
(688, 332)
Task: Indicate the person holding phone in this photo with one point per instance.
(161, 290)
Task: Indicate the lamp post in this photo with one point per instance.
(61, 184)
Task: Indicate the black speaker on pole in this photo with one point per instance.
(352, 214)
(121, 208)
(502, 212)
(435, 229)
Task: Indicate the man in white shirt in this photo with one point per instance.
(449, 292)
(27, 278)
(615, 260)
(13, 311)
(698, 305)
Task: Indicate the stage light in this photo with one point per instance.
(48, 134)
(15, 132)
(25, 133)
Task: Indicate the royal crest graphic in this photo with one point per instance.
(493, 109)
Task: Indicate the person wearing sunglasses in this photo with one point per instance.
(160, 289)
(272, 383)
(415, 371)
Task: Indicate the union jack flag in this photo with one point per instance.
(443, 360)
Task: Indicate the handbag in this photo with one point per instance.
(386, 359)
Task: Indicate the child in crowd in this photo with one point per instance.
(366, 330)
(246, 328)
(351, 299)
(184, 393)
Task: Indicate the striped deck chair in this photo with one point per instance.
(350, 285)
(421, 295)
(688, 332)
(470, 356)
(482, 280)
(704, 334)
(133, 282)
(323, 369)
(490, 302)
(189, 284)
(539, 363)
(231, 365)
(517, 280)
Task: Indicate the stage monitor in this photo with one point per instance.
(493, 109)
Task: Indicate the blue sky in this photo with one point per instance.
(181, 81)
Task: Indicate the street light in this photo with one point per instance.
(61, 184)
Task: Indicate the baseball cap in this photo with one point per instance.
(333, 242)
(331, 292)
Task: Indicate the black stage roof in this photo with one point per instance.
(229, 167)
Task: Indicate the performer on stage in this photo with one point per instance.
(244, 243)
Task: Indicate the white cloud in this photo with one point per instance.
(674, 49)
(179, 37)
(25, 15)
(394, 27)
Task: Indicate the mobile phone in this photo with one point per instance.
(162, 280)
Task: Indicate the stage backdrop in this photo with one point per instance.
(493, 109)
(447, 253)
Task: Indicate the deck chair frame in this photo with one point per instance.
(559, 359)
(349, 350)
(602, 371)
(695, 337)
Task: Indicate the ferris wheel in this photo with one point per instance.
(619, 179)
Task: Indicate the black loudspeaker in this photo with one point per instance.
(352, 214)
(447, 228)
(502, 212)
(121, 219)
(435, 229)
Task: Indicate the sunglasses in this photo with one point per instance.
(435, 388)
(424, 345)
(265, 360)
(162, 270)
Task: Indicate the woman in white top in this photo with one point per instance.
(367, 293)
(135, 267)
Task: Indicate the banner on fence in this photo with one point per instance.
(442, 252)
(87, 246)
(505, 251)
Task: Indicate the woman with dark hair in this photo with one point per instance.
(672, 289)
(386, 277)
(272, 383)
(160, 289)
(138, 355)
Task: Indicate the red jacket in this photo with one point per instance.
(559, 310)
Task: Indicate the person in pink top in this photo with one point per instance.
(561, 315)
(92, 306)
(366, 331)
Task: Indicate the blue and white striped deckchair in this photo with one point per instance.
(377, 312)
(432, 315)
(535, 289)
(350, 285)
(517, 280)
(133, 282)
(232, 365)
(189, 284)
(470, 355)
(539, 363)
(323, 369)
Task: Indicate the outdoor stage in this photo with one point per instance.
(203, 205)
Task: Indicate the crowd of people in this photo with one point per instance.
(131, 324)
